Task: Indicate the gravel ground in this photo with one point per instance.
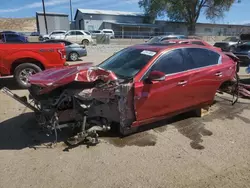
(212, 151)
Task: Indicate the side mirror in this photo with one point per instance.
(156, 76)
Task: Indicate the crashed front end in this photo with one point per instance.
(85, 98)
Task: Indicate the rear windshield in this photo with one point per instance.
(58, 32)
(96, 31)
(128, 62)
(107, 31)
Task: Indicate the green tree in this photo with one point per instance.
(186, 10)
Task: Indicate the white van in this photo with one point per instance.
(109, 32)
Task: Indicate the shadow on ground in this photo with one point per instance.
(22, 131)
(10, 83)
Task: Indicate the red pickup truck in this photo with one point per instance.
(25, 59)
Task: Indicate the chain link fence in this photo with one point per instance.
(136, 37)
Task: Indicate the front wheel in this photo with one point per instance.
(23, 71)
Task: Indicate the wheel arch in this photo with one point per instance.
(20, 61)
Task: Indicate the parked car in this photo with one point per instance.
(22, 60)
(12, 37)
(136, 86)
(242, 51)
(79, 37)
(73, 50)
(35, 34)
(228, 44)
(57, 34)
(109, 32)
(192, 41)
(162, 38)
(94, 33)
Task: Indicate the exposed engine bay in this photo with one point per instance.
(87, 103)
(90, 110)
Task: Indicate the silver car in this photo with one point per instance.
(73, 50)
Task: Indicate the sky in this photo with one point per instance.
(238, 14)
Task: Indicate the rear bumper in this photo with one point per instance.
(82, 52)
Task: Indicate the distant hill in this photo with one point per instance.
(18, 24)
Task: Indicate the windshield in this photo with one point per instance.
(231, 39)
(154, 40)
(88, 33)
(128, 62)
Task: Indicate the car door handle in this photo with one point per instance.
(219, 74)
(181, 83)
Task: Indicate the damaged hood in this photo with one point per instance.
(57, 77)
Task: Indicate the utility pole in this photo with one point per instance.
(71, 14)
(45, 19)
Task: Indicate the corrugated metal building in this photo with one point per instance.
(131, 24)
(55, 21)
(123, 23)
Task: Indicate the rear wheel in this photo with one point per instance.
(73, 56)
(85, 42)
(23, 71)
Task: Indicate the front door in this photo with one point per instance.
(161, 98)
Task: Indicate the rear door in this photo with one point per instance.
(71, 36)
(164, 97)
(79, 37)
(206, 73)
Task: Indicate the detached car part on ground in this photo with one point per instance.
(136, 86)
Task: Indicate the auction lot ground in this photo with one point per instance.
(213, 151)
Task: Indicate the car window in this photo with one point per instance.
(107, 31)
(96, 31)
(244, 47)
(87, 33)
(172, 62)
(72, 33)
(231, 39)
(57, 32)
(79, 33)
(168, 38)
(199, 57)
(154, 40)
(128, 62)
(12, 38)
(198, 43)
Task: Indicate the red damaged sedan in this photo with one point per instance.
(136, 86)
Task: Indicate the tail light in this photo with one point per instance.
(62, 53)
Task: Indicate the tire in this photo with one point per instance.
(22, 72)
(85, 42)
(73, 56)
(232, 48)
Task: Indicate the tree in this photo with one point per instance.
(186, 10)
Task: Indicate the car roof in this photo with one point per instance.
(159, 47)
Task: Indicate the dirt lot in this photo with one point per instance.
(212, 151)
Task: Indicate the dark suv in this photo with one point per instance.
(12, 37)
